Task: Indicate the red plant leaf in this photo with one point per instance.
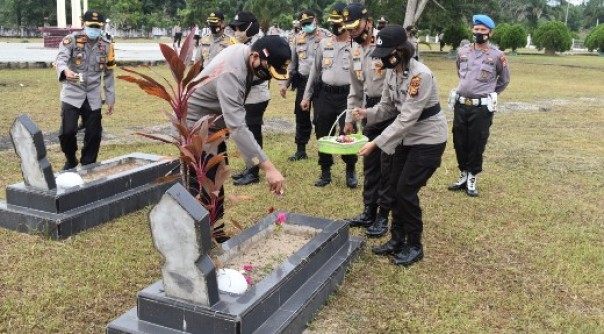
(142, 75)
(178, 71)
(219, 135)
(168, 52)
(216, 160)
(184, 51)
(197, 143)
(221, 176)
(197, 126)
(193, 72)
(166, 179)
(271, 209)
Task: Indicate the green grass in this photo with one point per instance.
(526, 256)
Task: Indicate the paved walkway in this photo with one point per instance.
(35, 53)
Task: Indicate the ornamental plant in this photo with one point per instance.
(514, 37)
(194, 143)
(595, 39)
(553, 36)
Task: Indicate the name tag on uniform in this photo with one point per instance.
(327, 61)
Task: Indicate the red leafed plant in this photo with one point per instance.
(194, 143)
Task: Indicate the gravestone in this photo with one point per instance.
(180, 228)
(29, 145)
(114, 188)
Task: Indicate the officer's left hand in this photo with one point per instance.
(110, 109)
(367, 149)
(359, 113)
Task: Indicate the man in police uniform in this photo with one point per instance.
(381, 23)
(416, 138)
(85, 65)
(246, 28)
(366, 82)
(231, 74)
(483, 74)
(331, 71)
(217, 41)
(304, 48)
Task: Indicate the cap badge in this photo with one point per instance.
(236, 17)
(379, 41)
(266, 53)
(212, 15)
(345, 12)
(304, 16)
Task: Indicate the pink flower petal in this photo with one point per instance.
(248, 267)
(281, 217)
(249, 280)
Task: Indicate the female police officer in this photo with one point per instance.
(416, 138)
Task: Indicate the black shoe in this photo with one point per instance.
(392, 246)
(408, 255)
(249, 178)
(239, 175)
(351, 179)
(460, 184)
(378, 228)
(324, 179)
(365, 219)
(70, 164)
(299, 155)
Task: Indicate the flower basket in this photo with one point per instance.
(330, 145)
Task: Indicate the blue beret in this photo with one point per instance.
(484, 20)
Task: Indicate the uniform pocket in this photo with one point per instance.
(487, 73)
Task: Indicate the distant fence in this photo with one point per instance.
(20, 32)
(29, 32)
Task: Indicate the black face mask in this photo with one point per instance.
(215, 29)
(380, 26)
(481, 38)
(262, 72)
(336, 29)
(363, 36)
(391, 61)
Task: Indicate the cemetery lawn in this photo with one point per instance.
(525, 256)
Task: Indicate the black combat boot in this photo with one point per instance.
(325, 177)
(300, 153)
(411, 253)
(239, 175)
(460, 184)
(380, 224)
(351, 176)
(365, 219)
(392, 246)
(250, 177)
(71, 162)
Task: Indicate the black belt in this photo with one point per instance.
(371, 101)
(429, 112)
(336, 89)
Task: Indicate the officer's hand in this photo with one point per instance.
(305, 104)
(110, 109)
(283, 91)
(367, 149)
(276, 181)
(359, 113)
(71, 75)
(348, 128)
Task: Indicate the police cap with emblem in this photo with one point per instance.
(353, 14)
(93, 19)
(306, 15)
(388, 39)
(215, 17)
(484, 20)
(246, 21)
(383, 18)
(335, 13)
(276, 51)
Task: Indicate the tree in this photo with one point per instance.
(553, 36)
(267, 10)
(595, 39)
(514, 38)
(498, 33)
(414, 10)
(593, 13)
(453, 35)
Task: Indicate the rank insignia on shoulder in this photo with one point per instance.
(66, 40)
(414, 86)
(504, 61)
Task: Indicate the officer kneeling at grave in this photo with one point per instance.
(84, 58)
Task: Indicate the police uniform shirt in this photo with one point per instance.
(259, 92)
(366, 77)
(223, 94)
(92, 61)
(212, 45)
(304, 49)
(481, 71)
(404, 96)
(332, 63)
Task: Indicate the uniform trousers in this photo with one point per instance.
(470, 134)
(412, 166)
(254, 115)
(377, 188)
(303, 123)
(69, 130)
(327, 108)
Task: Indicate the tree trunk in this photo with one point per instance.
(414, 11)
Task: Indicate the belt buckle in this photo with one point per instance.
(468, 102)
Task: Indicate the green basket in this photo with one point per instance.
(328, 144)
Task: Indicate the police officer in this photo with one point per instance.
(246, 27)
(366, 82)
(215, 42)
(85, 65)
(304, 48)
(417, 138)
(232, 73)
(381, 23)
(331, 71)
(483, 74)
(411, 36)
